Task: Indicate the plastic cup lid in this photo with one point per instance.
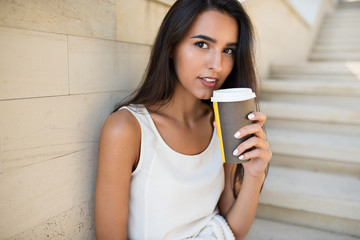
(232, 95)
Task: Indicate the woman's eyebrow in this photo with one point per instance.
(234, 44)
(205, 38)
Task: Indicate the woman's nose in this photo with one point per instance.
(215, 61)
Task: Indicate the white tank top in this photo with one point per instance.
(172, 195)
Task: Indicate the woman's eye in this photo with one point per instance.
(201, 44)
(229, 51)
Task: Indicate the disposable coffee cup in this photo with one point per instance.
(231, 108)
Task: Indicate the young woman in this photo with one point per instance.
(160, 173)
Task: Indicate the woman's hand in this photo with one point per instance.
(259, 153)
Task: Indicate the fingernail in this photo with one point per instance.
(251, 116)
(241, 157)
(235, 152)
(237, 135)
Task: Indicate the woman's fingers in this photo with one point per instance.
(258, 117)
(256, 154)
(253, 142)
(255, 129)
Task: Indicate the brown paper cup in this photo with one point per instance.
(231, 108)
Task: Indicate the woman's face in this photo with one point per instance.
(204, 58)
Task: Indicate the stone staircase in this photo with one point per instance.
(313, 109)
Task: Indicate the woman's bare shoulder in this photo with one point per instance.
(121, 136)
(121, 122)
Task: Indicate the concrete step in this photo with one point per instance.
(345, 32)
(335, 38)
(334, 45)
(316, 164)
(308, 198)
(310, 220)
(348, 3)
(314, 112)
(307, 126)
(340, 21)
(336, 48)
(310, 101)
(330, 56)
(354, 4)
(347, 37)
(332, 147)
(311, 87)
(281, 97)
(299, 147)
(263, 229)
(345, 27)
(318, 77)
(345, 13)
(345, 22)
(337, 24)
(308, 154)
(340, 38)
(342, 16)
(327, 71)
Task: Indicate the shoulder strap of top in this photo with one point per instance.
(141, 114)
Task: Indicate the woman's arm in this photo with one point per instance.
(241, 212)
(118, 151)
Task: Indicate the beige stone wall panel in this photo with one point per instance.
(44, 129)
(32, 64)
(75, 223)
(95, 18)
(99, 65)
(138, 21)
(33, 194)
(167, 2)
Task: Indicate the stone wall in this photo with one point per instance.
(63, 67)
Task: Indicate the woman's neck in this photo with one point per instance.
(184, 107)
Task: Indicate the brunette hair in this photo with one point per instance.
(160, 77)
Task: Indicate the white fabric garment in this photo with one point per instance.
(172, 195)
(216, 229)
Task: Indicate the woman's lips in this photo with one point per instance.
(210, 82)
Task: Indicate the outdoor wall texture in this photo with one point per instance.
(63, 67)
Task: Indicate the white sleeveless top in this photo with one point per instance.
(172, 195)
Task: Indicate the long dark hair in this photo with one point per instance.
(160, 78)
